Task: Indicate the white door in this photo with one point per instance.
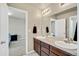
(72, 26)
(60, 28)
(3, 30)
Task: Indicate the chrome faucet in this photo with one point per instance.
(70, 40)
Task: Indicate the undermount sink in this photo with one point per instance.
(66, 45)
(40, 37)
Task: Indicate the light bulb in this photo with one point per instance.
(9, 13)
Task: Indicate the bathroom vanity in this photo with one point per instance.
(47, 47)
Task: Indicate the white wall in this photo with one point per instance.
(34, 17)
(16, 26)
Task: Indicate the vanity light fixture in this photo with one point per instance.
(46, 11)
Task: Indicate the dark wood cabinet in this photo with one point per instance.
(37, 46)
(52, 54)
(44, 49)
(58, 52)
(44, 54)
(45, 45)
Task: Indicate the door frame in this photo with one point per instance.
(78, 29)
(51, 20)
(26, 25)
(4, 29)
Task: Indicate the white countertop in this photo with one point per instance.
(51, 41)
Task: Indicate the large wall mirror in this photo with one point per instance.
(64, 27)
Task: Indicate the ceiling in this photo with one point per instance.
(13, 12)
(54, 7)
(32, 5)
(28, 6)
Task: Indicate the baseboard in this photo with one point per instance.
(31, 51)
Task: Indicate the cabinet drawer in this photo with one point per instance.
(52, 54)
(37, 48)
(58, 51)
(43, 54)
(36, 41)
(44, 45)
(45, 50)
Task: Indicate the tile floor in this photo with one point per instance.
(32, 54)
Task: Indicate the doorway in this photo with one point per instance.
(17, 31)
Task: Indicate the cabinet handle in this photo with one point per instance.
(2, 42)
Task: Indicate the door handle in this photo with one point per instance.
(2, 42)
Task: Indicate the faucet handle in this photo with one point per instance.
(71, 39)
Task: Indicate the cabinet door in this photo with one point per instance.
(37, 46)
(36, 41)
(52, 54)
(43, 53)
(44, 45)
(59, 52)
(45, 50)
